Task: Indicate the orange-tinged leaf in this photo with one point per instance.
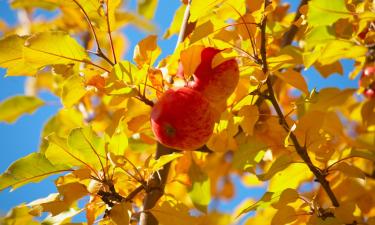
(120, 213)
(289, 195)
(350, 170)
(284, 215)
(147, 51)
(329, 69)
(190, 59)
(171, 213)
(293, 78)
(250, 115)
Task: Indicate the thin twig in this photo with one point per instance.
(100, 52)
(110, 35)
(301, 150)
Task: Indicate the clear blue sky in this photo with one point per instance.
(22, 138)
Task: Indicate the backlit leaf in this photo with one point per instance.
(172, 213)
(191, 58)
(53, 48)
(14, 107)
(200, 190)
(147, 8)
(147, 51)
(32, 168)
(250, 116)
(11, 57)
(87, 146)
(332, 11)
(163, 160)
(120, 213)
(73, 90)
(293, 78)
(278, 165)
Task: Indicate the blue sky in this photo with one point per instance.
(22, 137)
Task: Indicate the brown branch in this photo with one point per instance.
(156, 184)
(286, 40)
(301, 150)
(155, 188)
(291, 33)
(100, 53)
(110, 34)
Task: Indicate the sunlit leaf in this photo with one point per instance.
(250, 116)
(332, 11)
(87, 146)
(172, 213)
(278, 165)
(120, 213)
(147, 51)
(147, 8)
(200, 190)
(12, 58)
(53, 48)
(294, 78)
(191, 58)
(14, 107)
(32, 168)
(163, 160)
(73, 90)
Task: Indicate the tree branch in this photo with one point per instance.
(301, 150)
(155, 188)
(156, 184)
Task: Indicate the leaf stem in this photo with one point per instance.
(110, 35)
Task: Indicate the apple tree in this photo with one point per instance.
(154, 140)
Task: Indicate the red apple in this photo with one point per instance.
(217, 83)
(367, 81)
(182, 119)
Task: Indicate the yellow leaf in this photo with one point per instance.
(11, 57)
(191, 58)
(293, 78)
(250, 114)
(175, 26)
(285, 215)
(163, 160)
(146, 51)
(147, 8)
(12, 108)
(73, 90)
(289, 195)
(350, 170)
(53, 48)
(171, 213)
(120, 213)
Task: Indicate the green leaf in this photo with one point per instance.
(14, 107)
(11, 57)
(322, 12)
(87, 146)
(31, 168)
(200, 190)
(51, 48)
(72, 91)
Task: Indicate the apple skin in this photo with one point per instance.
(217, 83)
(367, 81)
(182, 119)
